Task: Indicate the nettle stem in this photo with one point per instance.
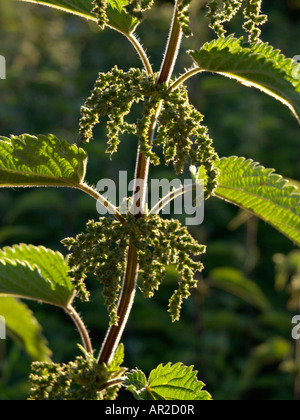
(141, 52)
(172, 49)
(98, 197)
(85, 338)
(115, 332)
(181, 79)
(172, 196)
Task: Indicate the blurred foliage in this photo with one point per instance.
(241, 351)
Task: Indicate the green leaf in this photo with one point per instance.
(27, 161)
(118, 359)
(258, 66)
(136, 383)
(199, 174)
(37, 273)
(166, 382)
(233, 281)
(81, 8)
(295, 183)
(259, 190)
(118, 18)
(23, 327)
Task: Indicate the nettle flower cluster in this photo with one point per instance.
(221, 11)
(184, 138)
(81, 379)
(180, 131)
(77, 380)
(113, 95)
(101, 250)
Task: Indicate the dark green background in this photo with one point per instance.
(52, 62)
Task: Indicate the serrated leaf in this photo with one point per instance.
(249, 185)
(258, 66)
(37, 273)
(40, 161)
(24, 328)
(136, 383)
(118, 19)
(167, 382)
(233, 281)
(294, 183)
(81, 8)
(118, 359)
(198, 173)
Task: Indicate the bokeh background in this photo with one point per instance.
(236, 333)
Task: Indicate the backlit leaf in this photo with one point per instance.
(23, 327)
(258, 66)
(40, 161)
(118, 18)
(249, 185)
(167, 382)
(37, 273)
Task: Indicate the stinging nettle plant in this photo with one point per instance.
(124, 252)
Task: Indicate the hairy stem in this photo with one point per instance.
(114, 333)
(181, 79)
(102, 200)
(141, 52)
(111, 383)
(172, 196)
(172, 49)
(81, 328)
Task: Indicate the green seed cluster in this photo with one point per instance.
(183, 7)
(82, 379)
(137, 8)
(161, 243)
(253, 19)
(102, 250)
(99, 11)
(113, 95)
(183, 136)
(77, 380)
(221, 11)
(180, 131)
